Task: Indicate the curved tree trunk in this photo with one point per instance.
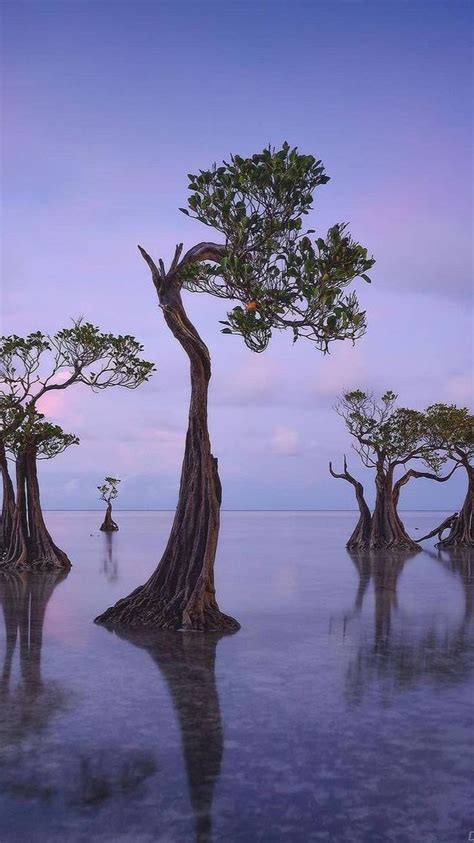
(462, 532)
(181, 594)
(360, 537)
(387, 529)
(8, 501)
(108, 525)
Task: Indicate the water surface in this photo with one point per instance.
(341, 711)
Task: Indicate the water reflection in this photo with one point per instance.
(460, 563)
(110, 558)
(187, 663)
(403, 651)
(24, 598)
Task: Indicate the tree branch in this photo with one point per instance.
(345, 475)
(413, 473)
(202, 252)
(156, 275)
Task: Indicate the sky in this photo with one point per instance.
(108, 105)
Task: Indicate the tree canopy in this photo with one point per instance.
(47, 439)
(109, 489)
(283, 278)
(451, 430)
(385, 434)
(33, 365)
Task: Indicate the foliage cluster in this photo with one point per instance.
(282, 277)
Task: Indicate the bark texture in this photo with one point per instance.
(360, 537)
(462, 531)
(8, 501)
(108, 525)
(31, 546)
(180, 594)
(387, 529)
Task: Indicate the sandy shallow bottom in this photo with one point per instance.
(341, 711)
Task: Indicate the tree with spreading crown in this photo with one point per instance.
(388, 440)
(282, 280)
(32, 367)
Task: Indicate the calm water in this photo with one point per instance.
(341, 711)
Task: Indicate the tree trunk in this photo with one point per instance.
(360, 537)
(31, 546)
(43, 553)
(387, 529)
(8, 501)
(181, 594)
(462, 532)
(108, 525)
(17, 553)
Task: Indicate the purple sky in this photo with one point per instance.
(109, 104)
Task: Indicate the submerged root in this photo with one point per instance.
(143, 610)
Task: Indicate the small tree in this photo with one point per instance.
(386, 438)
(282, 280)
(451, 431)
(108, 493)
(35, 365)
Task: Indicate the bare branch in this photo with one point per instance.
(157, 276)
(413, 473)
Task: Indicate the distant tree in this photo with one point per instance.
(451, 431)
(30, 368)
(282, 280)
(108, 493)
(387, 438)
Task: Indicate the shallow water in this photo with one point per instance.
(341, 711)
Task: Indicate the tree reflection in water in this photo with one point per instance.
(24, 598)
(416, 649)
(28, 772)
(187, 662)
(110, 559)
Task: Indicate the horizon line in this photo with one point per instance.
(240, 510)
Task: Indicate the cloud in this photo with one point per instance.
(285, 441)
